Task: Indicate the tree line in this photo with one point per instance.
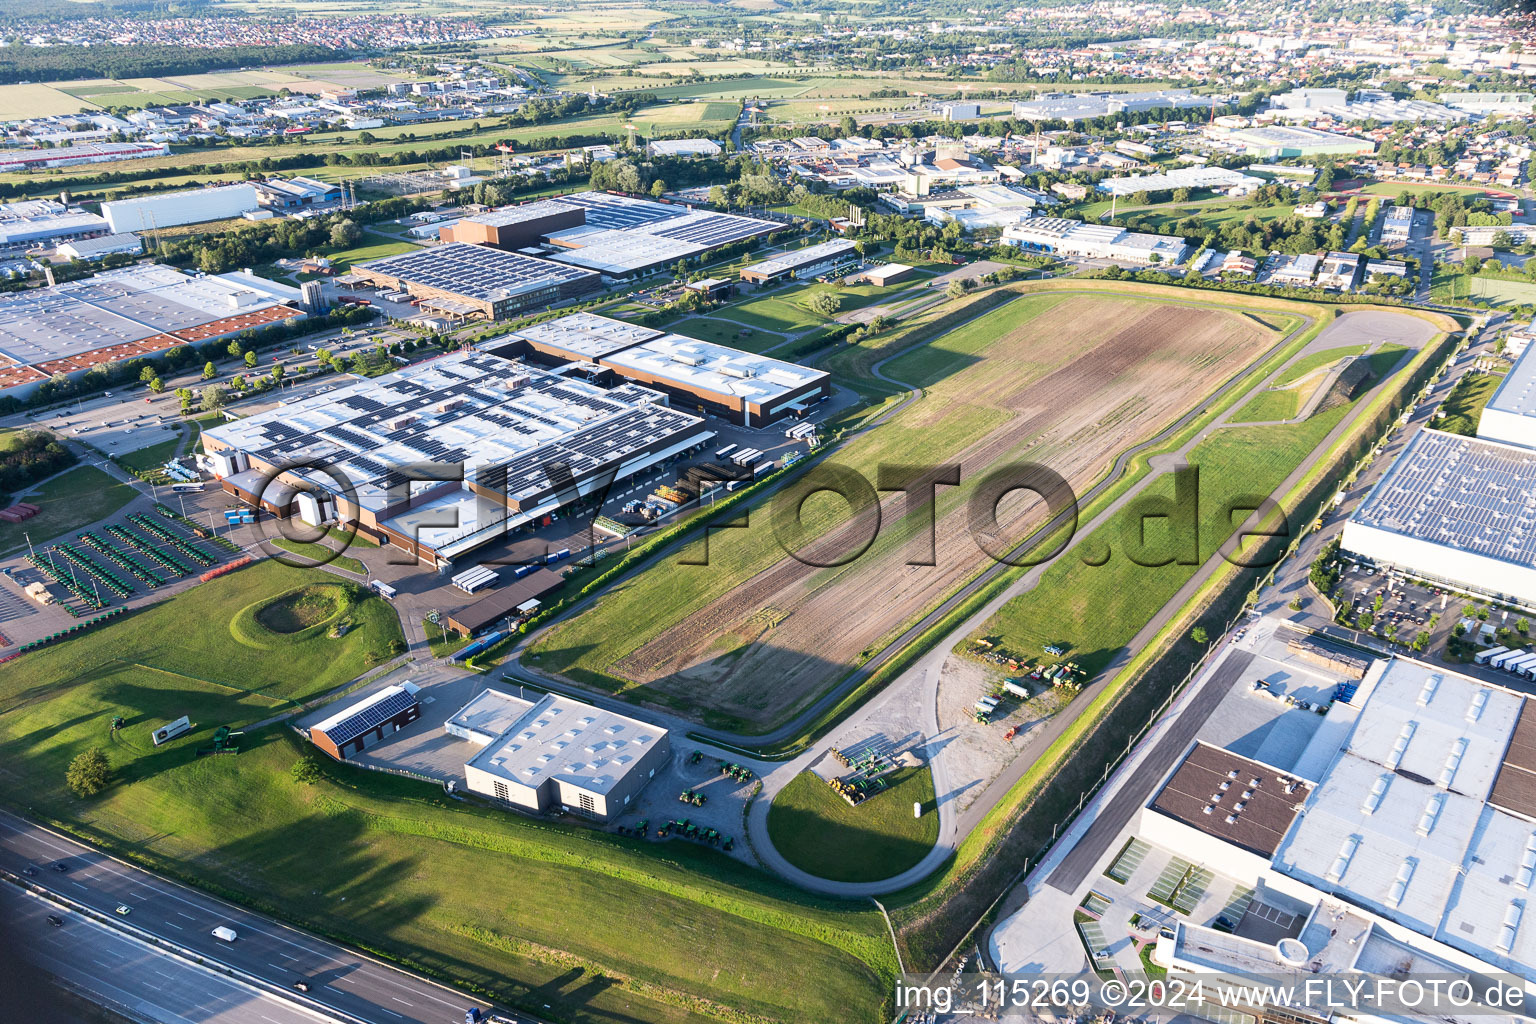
(22, 63)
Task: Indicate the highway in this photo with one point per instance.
(121, 973)
(340, 980)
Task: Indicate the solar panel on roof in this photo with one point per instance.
(369, 718)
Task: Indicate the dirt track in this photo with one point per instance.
(1078, 383)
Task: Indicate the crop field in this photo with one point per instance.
(687, 935)
(1064, 380)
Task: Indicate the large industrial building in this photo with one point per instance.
(466, 281)
(1510, 415)
(741, 386)
(800, 263)
(1460, 510)
(14, 160)
(1402, 842)
(1080, 106)
(45, 222)
(516, 227)
(1095, 241)
(127, 314)
(698, 375)
(557, 752)
(171, 209)
(1277, 141)
(1454, 510)
(611, 401)
(623, 237)
(1221, 178)
(529, 441)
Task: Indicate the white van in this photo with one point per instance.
(224, 934)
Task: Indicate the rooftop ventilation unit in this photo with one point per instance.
(1475, 709)
(1400, 747)
(1511, 925)
(1431, 684)
(1527, 870)
(1341, 862)
(1378, 790)
(1453, 761)
(1400, 883)
(1432, 808)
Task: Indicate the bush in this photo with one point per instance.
(306, 770)
(89, 773)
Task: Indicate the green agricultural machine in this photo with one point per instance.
(224, 742)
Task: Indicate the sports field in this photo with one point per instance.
(1067, 380)
(684, 935)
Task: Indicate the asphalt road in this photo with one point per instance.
(1069, 874)
(339, 979)
(121, 973)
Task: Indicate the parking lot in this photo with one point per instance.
(1406, 608)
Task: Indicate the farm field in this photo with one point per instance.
(1006, 386)
(38, 98)
(657, 119)
(478, 894)
(1093, 610)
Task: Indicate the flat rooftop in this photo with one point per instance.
(1462, 492)
(1516, 394)
(476, 272)
(1391, 824)
(488, 715)
(809, 256)
(568, 740)
(520, 214)
(587, 335)
(1244, 802)
(506, 422)
(701, 364)
(124, 310)
(623, 235)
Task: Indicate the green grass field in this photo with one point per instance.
(1267, 405)
(1315, 361)
(70, 502)
(684, 935)
(148, 460)
(320, 553)
(818, 831)
(1463, 407)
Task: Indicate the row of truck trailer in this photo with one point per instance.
(1516, 661)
